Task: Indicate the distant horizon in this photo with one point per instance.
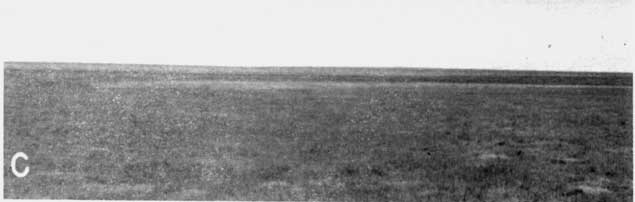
(319, 66)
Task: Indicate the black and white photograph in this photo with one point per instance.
(299, 100)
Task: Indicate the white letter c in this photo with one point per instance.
(13, 168)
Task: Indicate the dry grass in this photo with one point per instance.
(255, 140)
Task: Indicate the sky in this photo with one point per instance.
(570, 35)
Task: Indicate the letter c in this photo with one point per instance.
(13, 168)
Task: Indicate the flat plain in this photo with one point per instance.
(137, 132)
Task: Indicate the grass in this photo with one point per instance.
(92, 135)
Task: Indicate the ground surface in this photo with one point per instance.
(218, 136)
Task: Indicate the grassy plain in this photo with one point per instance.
(378, 135)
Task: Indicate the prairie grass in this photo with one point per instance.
(292, 141)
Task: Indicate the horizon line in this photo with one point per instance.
(396, 67)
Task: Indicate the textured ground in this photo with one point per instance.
(197, 136)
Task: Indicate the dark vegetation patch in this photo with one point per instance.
(273, 172)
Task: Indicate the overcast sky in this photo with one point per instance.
(588, 35)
